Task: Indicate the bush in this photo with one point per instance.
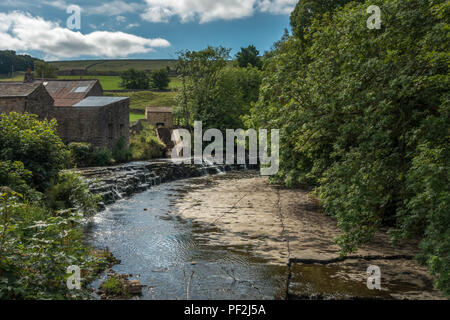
(84, 155)
(36, 248)
(121, 153)
(34, 143)
(145, 145)
(15, 176)
(71, 191)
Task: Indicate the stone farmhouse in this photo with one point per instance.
(82, 112)
(26, 97)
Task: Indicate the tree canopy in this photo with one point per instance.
(364, 116)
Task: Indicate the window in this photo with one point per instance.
(121, 130)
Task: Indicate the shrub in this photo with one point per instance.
(35, 143)
(121, 153)
(113, 286)
(71, 191)
(145, 145)
(15, 176)
(84, 155)
(36, 248)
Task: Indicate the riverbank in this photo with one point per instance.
(245, 239)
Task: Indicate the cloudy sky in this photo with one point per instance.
(146, 29)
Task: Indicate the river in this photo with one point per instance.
(230, 236)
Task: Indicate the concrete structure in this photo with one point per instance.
(160, 117)
(25, 97)
(82, 112)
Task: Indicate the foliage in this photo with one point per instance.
(160, 79)
(364, 117)
(43, 69)
(213, 93)
(144, 145)
(132, 79)
(85, 155)
(9, 61)
(120, 152)
(113, 286)
(71, 192)
(34, 143)
(36, 248)
(249, 56)
(15, 176)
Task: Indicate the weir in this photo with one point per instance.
(118, 182)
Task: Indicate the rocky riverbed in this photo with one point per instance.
(234, 236)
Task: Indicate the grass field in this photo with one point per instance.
(114, 65)
(18, 77)
(142, 99)
(136, 116)
(113, 82)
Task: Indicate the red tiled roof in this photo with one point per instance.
(67, 93)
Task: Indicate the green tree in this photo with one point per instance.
(133, 79)
(43, 69)
(364, 116)
(249, 56)
(213, 92)
(160, 79)
(34, 143)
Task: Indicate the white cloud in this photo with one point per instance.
(22, 31)
(206, 10)
(114, 8)
(277, 6)
(121, 19)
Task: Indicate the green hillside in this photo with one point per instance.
(93, 66)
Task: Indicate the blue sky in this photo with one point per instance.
(147, 29)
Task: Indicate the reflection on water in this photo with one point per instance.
(158, 247)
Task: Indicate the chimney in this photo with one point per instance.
(28, 76)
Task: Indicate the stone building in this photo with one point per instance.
(100, 121)
(25, 97)
(160, 117)
(82, 112)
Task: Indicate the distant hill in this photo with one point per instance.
(110, 67)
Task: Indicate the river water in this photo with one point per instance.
(231, 236)
(161, 249)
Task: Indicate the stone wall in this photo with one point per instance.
(155, 118)
(78, 124)
(115, 123)
(96, 91)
